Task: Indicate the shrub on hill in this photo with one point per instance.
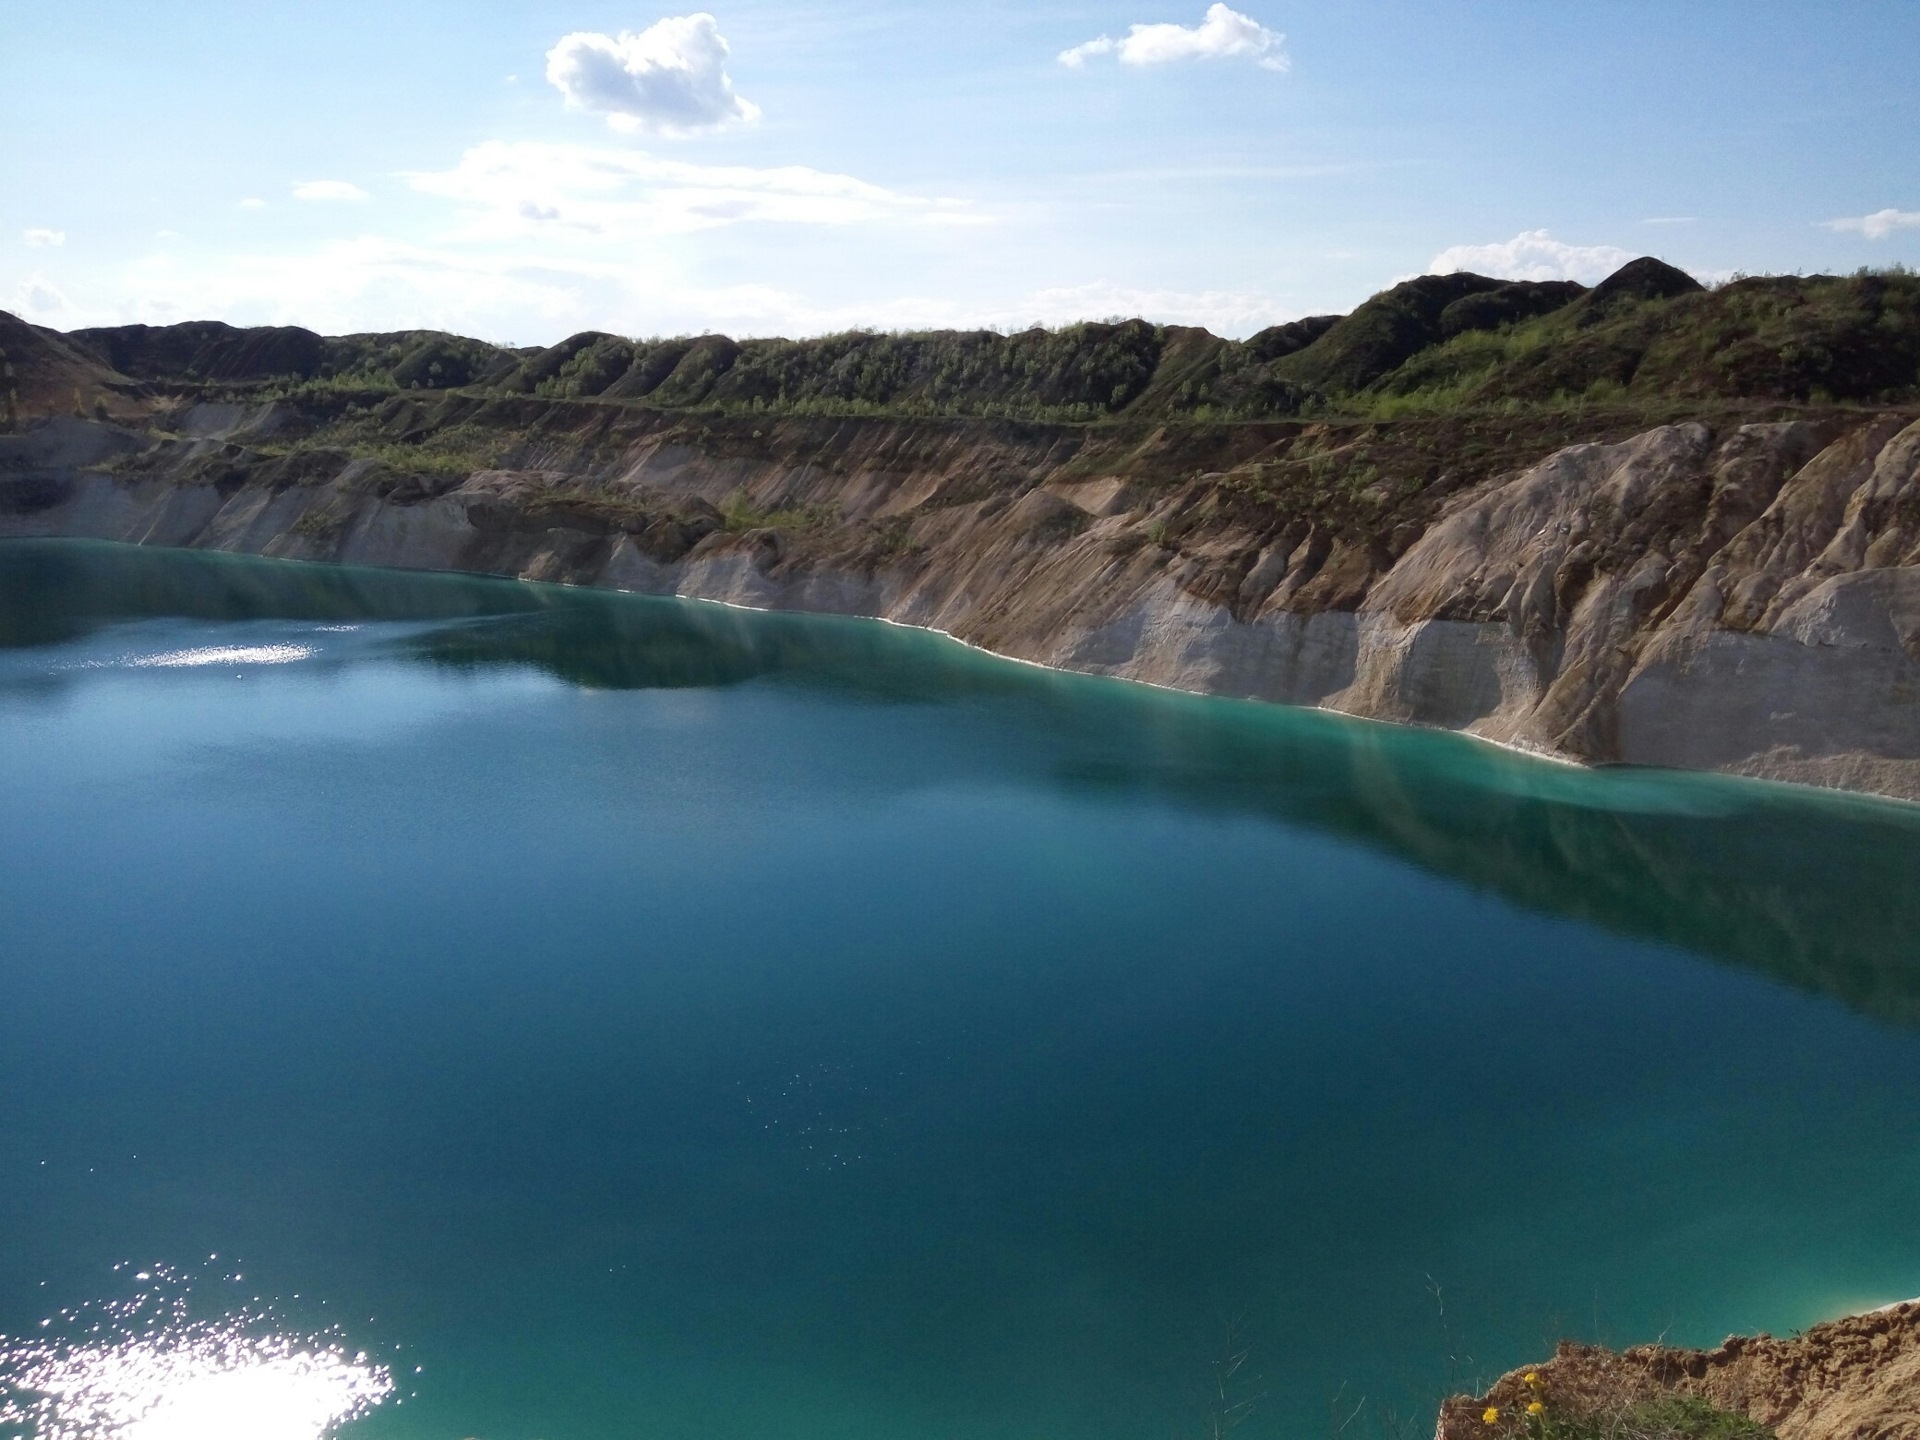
(1647, 336)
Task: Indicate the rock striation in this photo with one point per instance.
(1741, 597)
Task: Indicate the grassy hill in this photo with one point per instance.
(1647, 337)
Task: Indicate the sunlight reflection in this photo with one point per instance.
(224, 655)
(140, 1369)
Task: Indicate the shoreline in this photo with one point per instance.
(1496, 622)
(1519, 749)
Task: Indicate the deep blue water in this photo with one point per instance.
(655, 1020)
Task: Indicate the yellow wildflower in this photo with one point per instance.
(1492, 1414)
(1532, 1377)
(1535, 1408)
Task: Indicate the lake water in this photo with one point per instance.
(569, 1016)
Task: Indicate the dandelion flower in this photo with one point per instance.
(1535, 1408)
(1491, 1414)
(1532, 1377)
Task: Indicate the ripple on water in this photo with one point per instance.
(143, 1368)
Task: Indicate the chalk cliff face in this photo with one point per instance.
(1743, 598)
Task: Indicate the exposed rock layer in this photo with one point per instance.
(1743, 598)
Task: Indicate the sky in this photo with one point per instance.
(523, 171)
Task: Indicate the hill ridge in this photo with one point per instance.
(1427, 345)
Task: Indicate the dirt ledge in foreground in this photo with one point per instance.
(1856, 1378)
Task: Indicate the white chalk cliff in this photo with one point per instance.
(1745, 600)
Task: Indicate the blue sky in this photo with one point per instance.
(522, 171)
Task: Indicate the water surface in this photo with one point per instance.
(610, 1017)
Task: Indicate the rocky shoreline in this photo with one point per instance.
(1742, 598)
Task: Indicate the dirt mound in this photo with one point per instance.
(202, 350)
(42, 372)
(1851, 1379)
(1643, 279)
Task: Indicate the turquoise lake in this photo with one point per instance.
(622, 1017)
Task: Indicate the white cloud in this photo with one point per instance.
(43, 239)
(669, 79)
(37, 297)
(253, 202)
(1078, 56)
(538, 293)
(1879, 225)
(1225, 312)
(324, 190)
(589, 193)
(1223, 33)
(1671, 220)
(762, 310)
(367, 283)
(1533, 255)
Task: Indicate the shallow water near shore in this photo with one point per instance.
(569, 1016)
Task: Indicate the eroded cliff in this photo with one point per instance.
(1741, 597)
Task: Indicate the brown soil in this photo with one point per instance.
(1851, 1379)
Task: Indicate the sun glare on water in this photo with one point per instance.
(223, 655)
(143, 1369)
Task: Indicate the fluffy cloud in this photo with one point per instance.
(324, 190)
(43, 239)
(1879, 225)
(596, 193)
(1533, 255)
(669, 79)
(1221, 34)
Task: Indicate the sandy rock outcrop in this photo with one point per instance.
(1851, 1379)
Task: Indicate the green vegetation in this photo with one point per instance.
(1437, 345)
(1597, 1405)
(457, 449)
(738, 513)
(1671, 1417)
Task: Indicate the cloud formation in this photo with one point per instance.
(538, 293)
(43, 239)
(1879, 225)
(1533, 255)
(1225, 312)
(37, 297)
(517, 189)
(1224, 33)
(669, 79)
(327, 190)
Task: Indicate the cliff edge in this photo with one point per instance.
(1852, 1379)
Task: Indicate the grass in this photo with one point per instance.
(1672, 1417)
(458, 449)
(739, 514)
